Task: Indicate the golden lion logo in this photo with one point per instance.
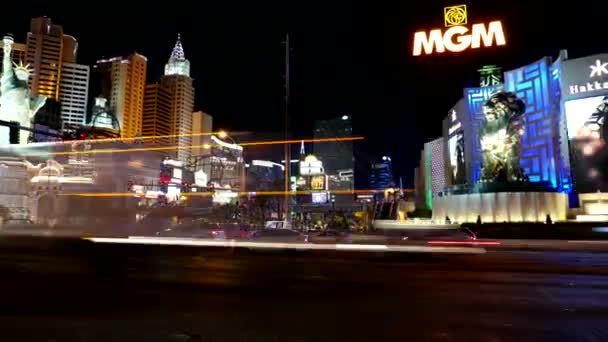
(455, 15)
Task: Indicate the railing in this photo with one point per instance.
(14, 125)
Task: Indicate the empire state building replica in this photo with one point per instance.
(178, 82)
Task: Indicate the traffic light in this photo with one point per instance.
(82, 134)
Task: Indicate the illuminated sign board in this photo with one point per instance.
(317, 182)
(587, 132)
(319, 197)
(201, 178)
(490, 75)
(311, 166)
(172, 162)
(266, 163)
(584, 77)
(457, 37)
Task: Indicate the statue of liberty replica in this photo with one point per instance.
(16, 102)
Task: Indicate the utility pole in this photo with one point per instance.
(287, 147)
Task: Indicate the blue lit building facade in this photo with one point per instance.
(381, 174)
(545, 153)
(564, 146)
(537, 84)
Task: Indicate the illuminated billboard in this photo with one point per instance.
(587, 132)
(317, 183)
(311, 166)
(456, 159)
(457, 37)
(319, 197)
(456, 127)
(584, 77)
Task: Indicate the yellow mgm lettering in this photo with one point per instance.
(457, 39)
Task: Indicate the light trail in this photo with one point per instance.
(297, 141)
(211, 193)
(143, 240)
(589, 241)
(174, 147)
(121, 139)
(465, 243)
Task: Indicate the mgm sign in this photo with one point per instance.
(458, 37)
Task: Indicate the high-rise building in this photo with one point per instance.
(69, 49)
(18, 53)
(337, 156)
(56, 75)
(157, 113)
(381, 174)
(44, 54)
(122, 80)
(74, 93)
(202, 126)
(179, 83)
(178, 64)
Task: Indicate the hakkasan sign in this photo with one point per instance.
(458, 37)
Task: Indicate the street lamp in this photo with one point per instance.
(206, 146)
(224, 135)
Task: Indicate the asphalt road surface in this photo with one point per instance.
(64, 290)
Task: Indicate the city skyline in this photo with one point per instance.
(341, 65)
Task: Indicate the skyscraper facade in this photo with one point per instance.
(337, 156)
(52, 55)
(157, 113)
(381, 174)
(202, 126)
(179, 83)
(44, 54)
(69, 49)
(122, 80)
(74, 93)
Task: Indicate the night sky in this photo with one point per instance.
(348, 57)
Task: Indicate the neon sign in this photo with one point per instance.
(457, 37)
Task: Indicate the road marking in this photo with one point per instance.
(142, 240)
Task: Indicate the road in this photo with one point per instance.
(71, 290)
